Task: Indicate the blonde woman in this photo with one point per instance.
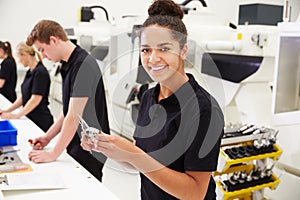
(34, 90)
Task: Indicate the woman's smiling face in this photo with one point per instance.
(161, 55)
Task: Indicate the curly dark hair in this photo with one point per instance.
(168, 14)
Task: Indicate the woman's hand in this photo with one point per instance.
(112, 146)
(8, 115)
(1, 111)
(86, 144)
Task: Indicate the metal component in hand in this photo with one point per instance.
(89, 132)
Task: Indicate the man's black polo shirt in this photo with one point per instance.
(37, 82)
(81, 77)
(183, 132)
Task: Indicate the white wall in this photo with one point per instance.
(17, 17)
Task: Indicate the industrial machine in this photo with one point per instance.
(244, 57)
(285, 107)
(91, 32)
(286, 96)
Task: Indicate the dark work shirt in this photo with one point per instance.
(183, 132)
(81, 77)
(37, 82)
(8, 72)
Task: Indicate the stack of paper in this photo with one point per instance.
(1, 195)
(31, 181)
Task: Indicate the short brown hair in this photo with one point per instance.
(43, 30)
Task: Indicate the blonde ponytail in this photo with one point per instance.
(39, 56)
(24, 48)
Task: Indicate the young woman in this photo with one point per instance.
(179, 126)
(35, 90)
(8, 72)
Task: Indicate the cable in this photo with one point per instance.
(188, 1)
(106, 14)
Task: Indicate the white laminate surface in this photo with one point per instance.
(80, 184)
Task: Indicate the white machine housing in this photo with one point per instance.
(286, 96)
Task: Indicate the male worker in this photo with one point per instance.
(83, 95)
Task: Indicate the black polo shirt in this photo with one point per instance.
(9, 73)
(37, 82)
(183, 132)
(81, 77)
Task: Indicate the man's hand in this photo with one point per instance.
(40, 142)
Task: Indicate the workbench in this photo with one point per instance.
(79, 183)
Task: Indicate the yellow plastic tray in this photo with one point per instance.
(229, 162)
(245, 192)
(242, 167)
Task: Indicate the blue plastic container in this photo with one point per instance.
(8, 134)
